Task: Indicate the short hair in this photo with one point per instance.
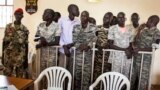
(71, 6)
(121, 13)
(135, 14)
(110, 14)
(51, 12)
(58, 14)
(86, 13)
(154, 19)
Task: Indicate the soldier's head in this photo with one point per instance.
(114, 21)
(48, 15)
(84, 17)
(18, 14)
(73, 10)
(121, 19)
(57, 15)
(92, 20)
(152, 21)
(135, 18)
(107, 18)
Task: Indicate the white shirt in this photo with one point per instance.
(66, 26)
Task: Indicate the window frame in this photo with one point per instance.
(12, 10)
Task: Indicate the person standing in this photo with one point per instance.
(49, 36)
(149, 35)
(120, 38)
(83, 38)
(49, 33)
(15, 47)
(101, 43)
(135, 24)
(66, 25)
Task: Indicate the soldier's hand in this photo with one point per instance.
(43, 41)
(135, 50)
(66, 51)
(128, 53)
(83, 47)
(38, 46)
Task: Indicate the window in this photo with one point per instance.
(6, 12)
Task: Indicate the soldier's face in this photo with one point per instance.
(18, 16)
(121, 19)
(46, 15)
(149, 23)
(84, 17)
(106, 19)
(135, 19)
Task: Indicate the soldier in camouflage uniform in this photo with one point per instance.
(102, 39)
(83, 37)
(147, 37)
(135, 24)
(49, 33)
(15, 48)
(120, 38)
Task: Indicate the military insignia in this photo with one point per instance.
(31, 6)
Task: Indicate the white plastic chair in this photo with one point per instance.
(112, 81)
(55, 77)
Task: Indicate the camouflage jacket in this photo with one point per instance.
(85, 36)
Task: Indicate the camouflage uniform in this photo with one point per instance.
(102, 38)
(122, 40)
(134, 31)
(15, 50)
(146, 39)
(81, 36)
(48, 53)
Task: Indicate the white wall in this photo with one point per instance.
(144, 7)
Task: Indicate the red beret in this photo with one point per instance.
(18, 10)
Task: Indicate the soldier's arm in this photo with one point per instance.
(112, 46)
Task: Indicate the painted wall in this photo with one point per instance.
(145, 8)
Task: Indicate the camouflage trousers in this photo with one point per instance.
(98, 65)
(78, 81)
(116, 59)
(19, 72)
(47, 59)
(144, 82)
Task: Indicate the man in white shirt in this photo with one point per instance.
(66, 25)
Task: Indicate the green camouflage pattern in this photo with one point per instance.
(81, 36)
(15, 50)
(146, 39)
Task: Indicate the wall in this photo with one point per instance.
(144, 7)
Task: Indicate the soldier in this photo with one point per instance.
(135, 24)
(120, 38)
(144, 42)
(92, 20)
(83, 37)
(57, 16)
(101, 43)
(49, 33)
(15, 47)
(114, 21)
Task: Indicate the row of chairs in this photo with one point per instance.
(56, 77)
